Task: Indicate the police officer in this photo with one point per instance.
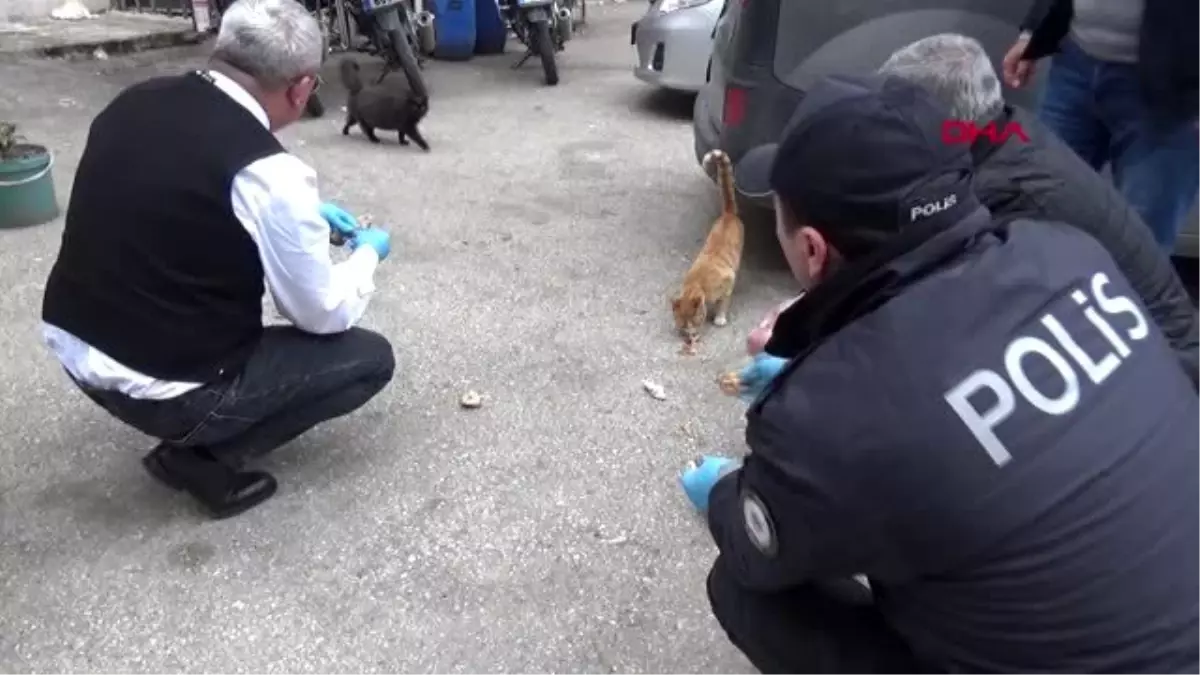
(975, 416)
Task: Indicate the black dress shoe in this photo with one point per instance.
(246, 490)
(153, 464)
(223, 491)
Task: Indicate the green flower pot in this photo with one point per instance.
(27, 188)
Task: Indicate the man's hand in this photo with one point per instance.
(762, 333)
(339, 220)
(375, 238)
(699, 476)
(1016, 68)
(758, 374)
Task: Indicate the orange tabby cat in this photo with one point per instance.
(708, 286)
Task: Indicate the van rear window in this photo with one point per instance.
(814, 39)
(746, 34)
(723, 31)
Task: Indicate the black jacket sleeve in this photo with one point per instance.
(1039, 10)
(1048, 22)
(776, 530)
(1167, 64)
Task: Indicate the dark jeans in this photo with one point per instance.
(1096, 108)
(810, 629)
(292, 382)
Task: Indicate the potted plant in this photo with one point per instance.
(26, 184)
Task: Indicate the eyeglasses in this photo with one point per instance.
(297, 83)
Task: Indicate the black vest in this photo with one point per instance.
(154, 269)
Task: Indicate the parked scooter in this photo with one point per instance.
(543, 26)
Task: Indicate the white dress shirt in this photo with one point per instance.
(277, 201)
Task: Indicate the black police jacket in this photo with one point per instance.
(1044, 179)
(987, 425)
(1170, 76)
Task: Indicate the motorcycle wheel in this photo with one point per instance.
(545, 48)
(408, 61)
(315, 107)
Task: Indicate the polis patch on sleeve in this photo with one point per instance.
(759, 526)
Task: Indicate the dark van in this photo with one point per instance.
(767, 52)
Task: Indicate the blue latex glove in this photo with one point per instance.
(375, 238)
(698, 478)
(758, 374)
(338, 219)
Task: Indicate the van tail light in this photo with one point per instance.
(735, 106)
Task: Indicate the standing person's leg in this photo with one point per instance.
(1068, 104)
(1155, 163)
(806, 630)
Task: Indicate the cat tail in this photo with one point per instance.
(351, 78)
(724, 168)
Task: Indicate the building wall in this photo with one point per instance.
(16, 10)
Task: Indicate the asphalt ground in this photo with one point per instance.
(534, 253)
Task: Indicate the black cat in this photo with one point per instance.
(389, 105)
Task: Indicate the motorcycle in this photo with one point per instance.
(543, 26)
(398, 33)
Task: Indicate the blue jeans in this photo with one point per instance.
(1096, 108)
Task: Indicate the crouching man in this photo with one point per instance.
(185, 206)
(974, 414)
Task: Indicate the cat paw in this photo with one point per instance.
(720, 320)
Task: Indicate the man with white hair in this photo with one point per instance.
(1044, 178)
(185, 210)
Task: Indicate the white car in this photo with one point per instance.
(674, 41)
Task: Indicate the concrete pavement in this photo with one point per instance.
(104, 34)
(534, 251)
